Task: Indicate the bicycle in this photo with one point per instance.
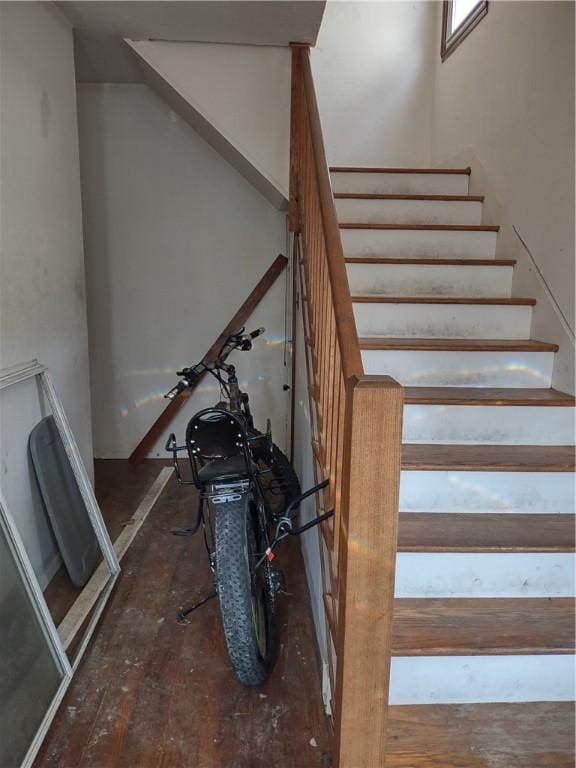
(248, 496)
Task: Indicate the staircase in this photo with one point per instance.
(483, 619)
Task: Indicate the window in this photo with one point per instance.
(458, 20)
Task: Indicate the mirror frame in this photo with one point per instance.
(95, 593)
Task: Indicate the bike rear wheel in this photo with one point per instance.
(245, 598)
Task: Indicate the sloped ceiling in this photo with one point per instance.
(100, 27)
(236, 96)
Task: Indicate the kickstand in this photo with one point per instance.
(181, 618)
(182, 531)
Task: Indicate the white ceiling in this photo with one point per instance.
(101, 25)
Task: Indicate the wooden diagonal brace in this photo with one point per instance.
(239, 319)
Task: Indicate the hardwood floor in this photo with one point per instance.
(119, 490)
(150, 692)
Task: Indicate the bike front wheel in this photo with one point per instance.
(245, 595)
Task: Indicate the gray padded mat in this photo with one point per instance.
(63, 501)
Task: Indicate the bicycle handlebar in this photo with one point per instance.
(239, 340)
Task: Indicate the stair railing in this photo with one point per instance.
(356, 423)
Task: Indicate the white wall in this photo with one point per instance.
(504, 104)
(175, 241)
(236, 96)
(42, 293)
(373, 69)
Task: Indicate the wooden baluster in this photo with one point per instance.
(323, 311)
(328, 370)
(339, 457)
(335, 375)
(316, 476)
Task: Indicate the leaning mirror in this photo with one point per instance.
(50, 496)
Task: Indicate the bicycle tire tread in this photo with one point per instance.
(233, 579)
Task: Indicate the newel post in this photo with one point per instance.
(367, 559)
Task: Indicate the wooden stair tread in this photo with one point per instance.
(485, 532)
(434, 227)
(436, 198)
(456, 626)
(433, 262)
(482, 626)
(355, 169)
(377, 299)
(458, 345)
(488, 458)
(486, 396)
(522, 735)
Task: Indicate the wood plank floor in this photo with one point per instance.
(150, 692)
(117, 502)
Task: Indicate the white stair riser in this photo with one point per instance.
(462, 574)
(401, 183)
(367, 211)
(482, 424)
(477, 492)
(481, 679)
(443, 321)
(430, 280)
(421, 368)
(419, 243)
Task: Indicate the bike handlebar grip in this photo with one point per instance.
(257, 332)
(180, 387)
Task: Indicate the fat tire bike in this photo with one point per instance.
(248, 498)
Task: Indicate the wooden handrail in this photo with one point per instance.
(345, 323)
(356, 431)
